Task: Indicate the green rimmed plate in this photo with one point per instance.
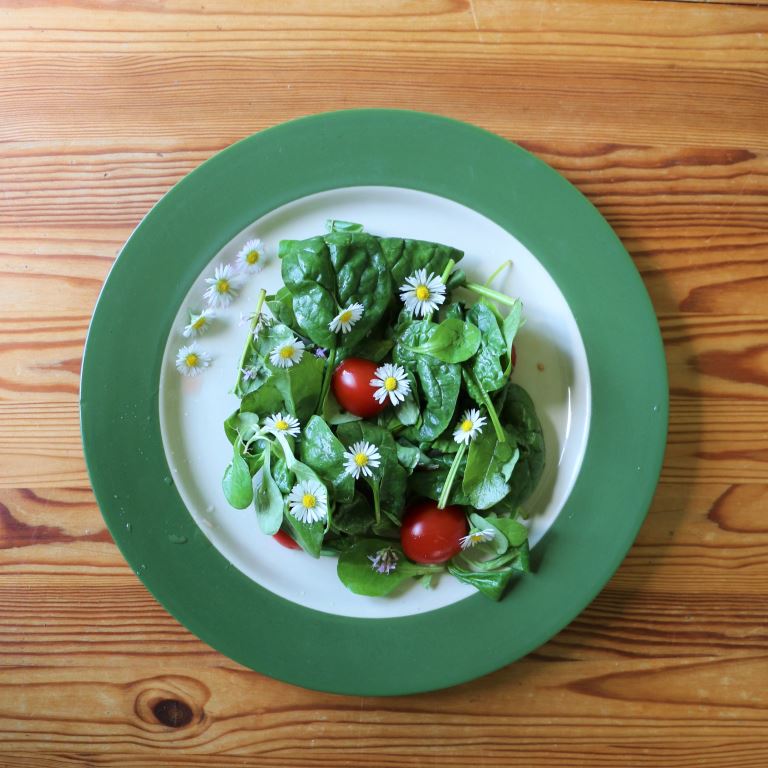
(148, 442)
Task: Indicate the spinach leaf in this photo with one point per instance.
(264, 400)
(429, 484)
(489, 467)
(408, 412)
(440, 382)
(492, 584)
(300, 386)
(454, 310)
(336, 225)
(519, 414)
(322, 451)
(452, 341)
(516, 533)
(355, 517)
(408, 455)
(236, 482)
(356, 572)
(389, 479)
(510, 326)
(361, 277)
(308, 274)
(486, 363)
(283, 476)
(281, 307)
(267, 499)
(404, 257)
(309, 536)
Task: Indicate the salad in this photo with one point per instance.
(377, 419)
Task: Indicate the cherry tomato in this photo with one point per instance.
(281, 537)
(432, 535)
(351, 385)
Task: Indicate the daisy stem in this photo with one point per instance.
(449, 480)
(489, 293)
(327, 374)
(254, 320)
(507, 263)
(376, 500)
(501, 436)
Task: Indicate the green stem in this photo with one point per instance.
(507, 263)
(290, 459)
(501, 436)
(489, 293)
(452, 472)
(376, 500)
(254, 320)
(447, 271)
(327, 375)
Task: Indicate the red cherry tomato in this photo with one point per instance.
(351, 385)
(432, 535)
(281, 537)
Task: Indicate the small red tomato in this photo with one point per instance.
(351, 385)
(281, 537)
(432, 535)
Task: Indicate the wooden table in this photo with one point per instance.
(658, 111)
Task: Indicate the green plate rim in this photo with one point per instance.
(121, 372)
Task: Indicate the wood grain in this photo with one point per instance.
(657, 111)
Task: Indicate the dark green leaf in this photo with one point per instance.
(489, 467)
(354, 518)
(335, 225)
(265, 400)
(322, 451)
(486, 364)
(300, 386)
(492, 584)
(452, 341)
(404, 257)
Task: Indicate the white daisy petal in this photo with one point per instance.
(390, 381)
(346, 318)
(199, 323)
(222, 287)
(250, 258)
(308, 501)
(286, 425)
(287, 354)
(191, 360)
(422, 293)
(361, 457)
(469, 427)
(476, 537)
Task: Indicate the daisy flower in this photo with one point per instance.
(191, 360)
(361, 457)
(250, 258)
(391, 382)
(222, 287)
(308, 501)
(470, 426)
(422, 293)
(476, 537)
(288, 425)
(199, 324)
(384, 560)
(287, 354)
(346, 318)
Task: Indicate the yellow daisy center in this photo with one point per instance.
(390, 383)
(191, 360)
(282, 424)
(286, 352)
(222, 286)
(309, 501)
(199, 323)
(422, 293)
(252, 257)
(361, 459)
(477, 537)
(345, 316)
(467, 425)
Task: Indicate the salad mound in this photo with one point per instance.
(377, 420)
